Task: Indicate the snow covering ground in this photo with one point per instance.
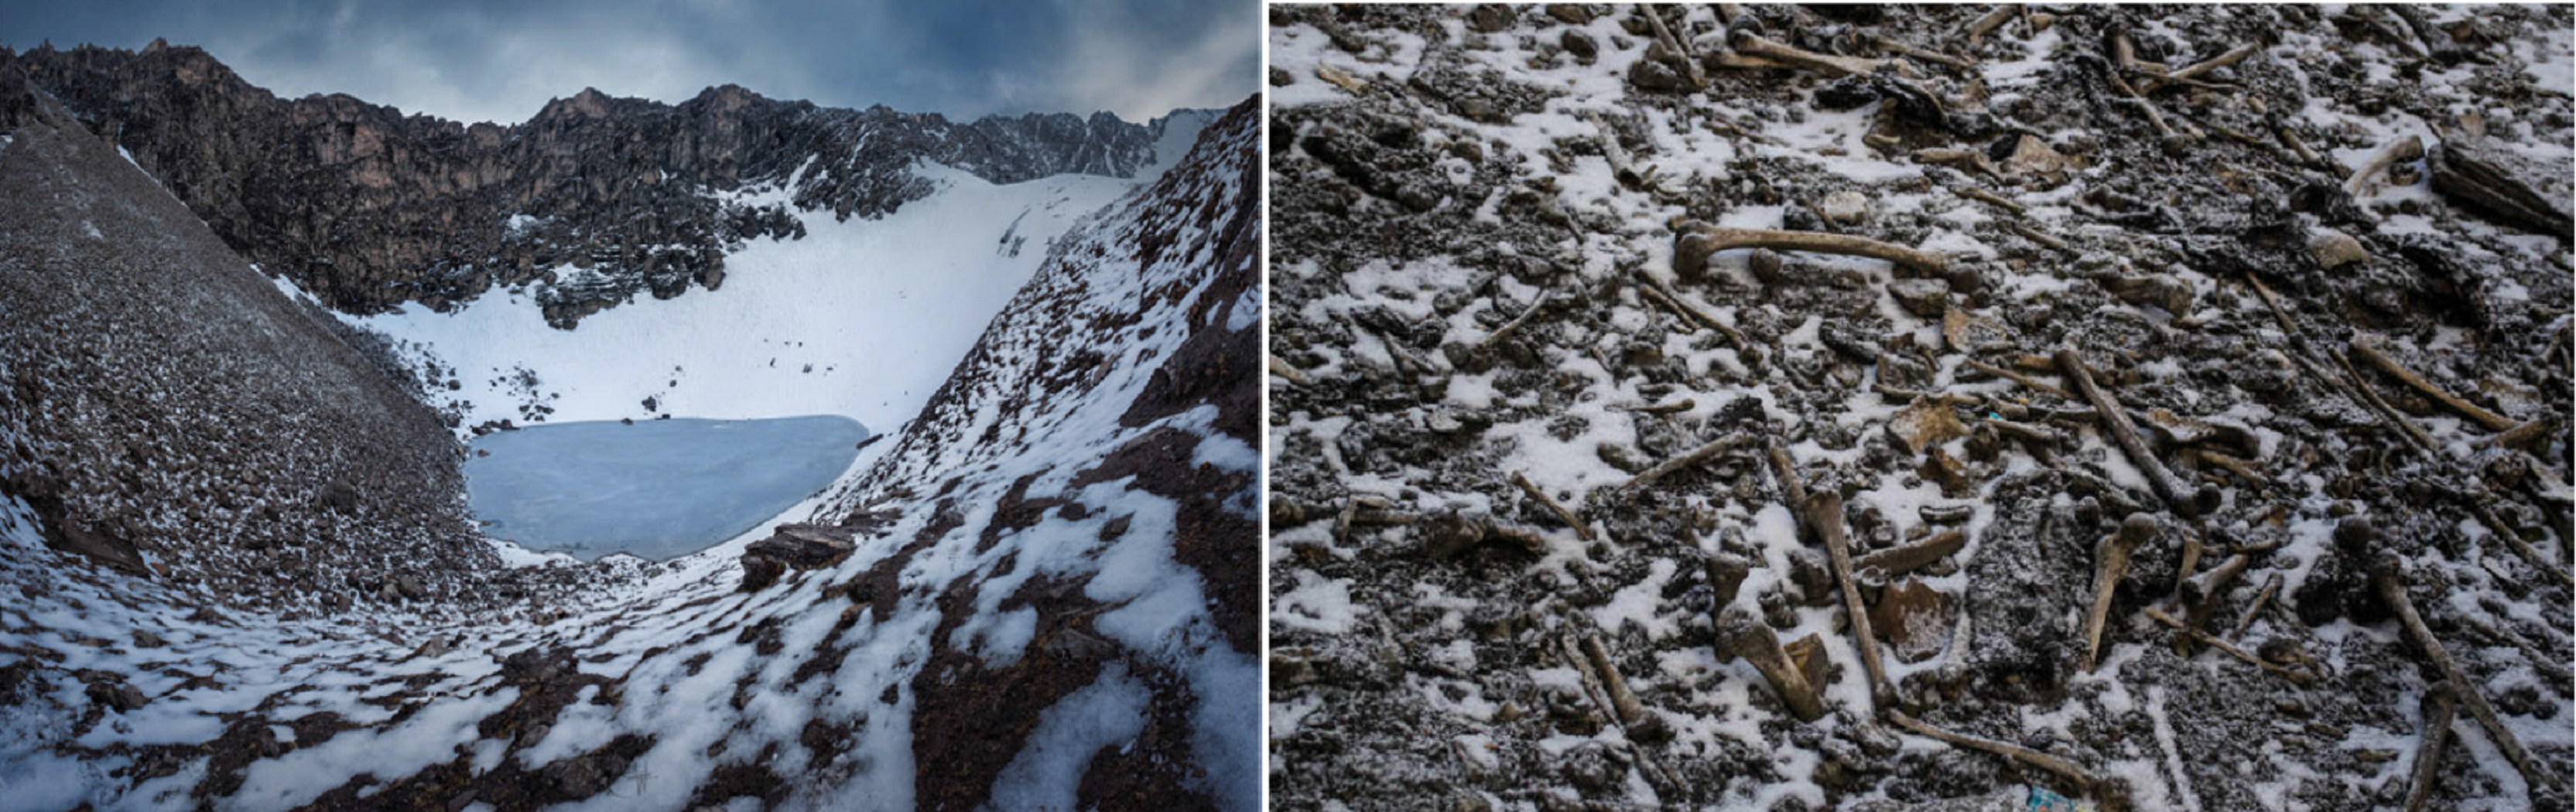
(655, 488)
(1047, 435)
(1351, 605)
(672, 689)
(1180, 131)
(860, 318)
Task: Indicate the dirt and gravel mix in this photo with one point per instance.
(1896, 407)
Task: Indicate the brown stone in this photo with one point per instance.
(1926, 423)
(1928, 298)
(1914, 620)
(2031, 156)
(1949, 471)
(2335, 249)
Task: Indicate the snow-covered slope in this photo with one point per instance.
(1076, 515)
(1050, 605)
(1174, 134)
(861, 318)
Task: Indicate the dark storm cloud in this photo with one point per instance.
(500, 60)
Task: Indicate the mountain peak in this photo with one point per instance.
(589, 103)
(726, 98)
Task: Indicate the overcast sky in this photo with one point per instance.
(500, 60)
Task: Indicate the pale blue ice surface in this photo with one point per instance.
(657, 488)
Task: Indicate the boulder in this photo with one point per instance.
(1653, 76)
(1844, 207)
(2029, 156)
(118, 696)
(1580, 44)
(1570, 13)
(339, 497)
(582, 776)
(2335, 249)
(803, 546)
(759, 571)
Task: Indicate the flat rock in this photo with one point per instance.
(1924, 424)
(1928, 298)
(2155, 290)
(2508, 186)
(803, 546)
(119, 696)
(2030, 156)
(1913, 618)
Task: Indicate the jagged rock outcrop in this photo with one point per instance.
(368, 208)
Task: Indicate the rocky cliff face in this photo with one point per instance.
(368, 208)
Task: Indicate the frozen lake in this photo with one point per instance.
(657, 488)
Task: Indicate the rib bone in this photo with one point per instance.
(2082, 777)
(1993, 19)
(2404, 149)
(2195, 70)
(1562, 514)
(2296, 675)
(2371, 354)
(1686, 459)
(1699, 78)
(1622, 700)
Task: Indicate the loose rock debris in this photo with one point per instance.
(1860, 407)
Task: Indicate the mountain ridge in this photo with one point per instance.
(368, 208)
